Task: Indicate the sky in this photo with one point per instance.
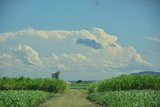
(84, 39)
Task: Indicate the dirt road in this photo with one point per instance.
(72, 98)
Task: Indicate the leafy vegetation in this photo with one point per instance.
(56, 74)
(127, 91)
(21, 98)
(46, 84)
(125, 82)
(132, 98)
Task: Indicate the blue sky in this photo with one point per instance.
(134, 22)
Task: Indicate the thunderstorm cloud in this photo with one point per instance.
(82, 51)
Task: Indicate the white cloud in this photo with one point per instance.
(58, 34)
(9, 63)
(74, 57)
(5, 60)
(110, 57)
(55, 57)
(102, 37)
(27, 55)
(61, 66)
(157, 39)
(5, 36)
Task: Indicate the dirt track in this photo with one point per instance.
(73, 98)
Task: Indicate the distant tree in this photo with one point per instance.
(79, 81)
(56, 74)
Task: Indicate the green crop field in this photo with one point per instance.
(22, 98)
(132, 98)
(46, 84)
(127, 91)
(27, 92)
(125, 82)
(121, 91)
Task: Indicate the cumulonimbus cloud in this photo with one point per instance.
(93, 50)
